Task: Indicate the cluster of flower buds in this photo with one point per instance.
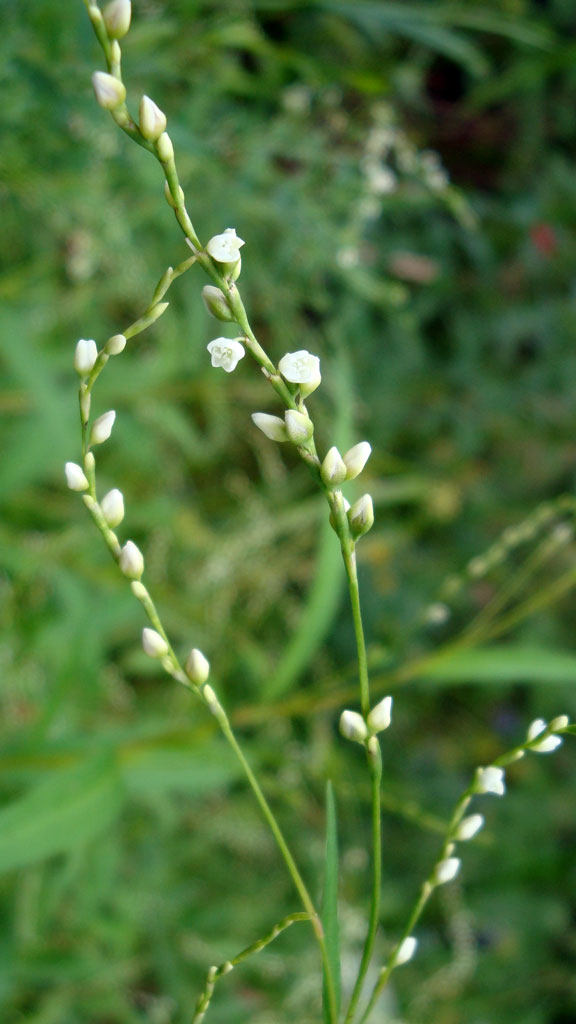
(354, 727)
(549, 742)
(336, 469)
(296, 426)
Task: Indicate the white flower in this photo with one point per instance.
(301, 368)
(131, 560)
(109, 91)
(117, 15)
(85, 355)
(446, 870)
(226, 352)
(380, 716)
(333, 470)
(102, 427)
(490, 780)
(197, 667)
(356, 458)
(299, 426)
(353, 726)
(225, 248)
(115, 345)
(469, 826)
(75, 477)
(154, 645)
(152, 120)
(406, 950)
(361, 516)
(112, 506)
(272, 426)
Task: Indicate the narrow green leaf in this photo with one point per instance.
(62, 813)
(330, 900)
(508, 664)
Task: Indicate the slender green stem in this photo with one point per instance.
(349, 556)
(374, 756)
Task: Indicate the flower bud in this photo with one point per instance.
(469, 826)
(171, 202)
(109, 91)
(333, 470)
(356, 458)
(380, 717)
(102, 427)
(299, 426)
(197, 667)
(164, 148)
(490, 780)
(361, 516)
(85, 355)
(131, 561)
(406, 951)
(212, 701)
(117, 15)
(154, 645)
(535, 728)
(152, 120)
(353, 726)
(112, 506)
(547, 745)
(115, 345)
(561, 722)
(272, 426)
(75, 477)
(446, 870)
(216, 304)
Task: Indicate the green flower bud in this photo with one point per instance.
(116, 16)
(216, 304)
(109, 91)
(152, 120)
(361, 516)
(299, 426)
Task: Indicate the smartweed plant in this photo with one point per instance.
(294, 379)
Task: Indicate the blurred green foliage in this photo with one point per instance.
(444, 313)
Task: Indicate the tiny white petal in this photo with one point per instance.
(225, 248)
(75, 477)
(272, 426)
(469, 826)
(154, 645)
(85, 355)
(381, 715)
(490, 780)
(197, 667)
(131, 561)
(356, 458)
(446, 870)
(226, 353)
(534, 730)
(406, 950)
(102, 427)
(112, 506)
(353, 726)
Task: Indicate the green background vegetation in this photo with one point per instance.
(132, 856)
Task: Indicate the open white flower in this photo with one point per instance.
(301, 368)
(490, 780)
(226, 352)
(225, 248)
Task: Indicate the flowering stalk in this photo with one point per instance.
(541, 738)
